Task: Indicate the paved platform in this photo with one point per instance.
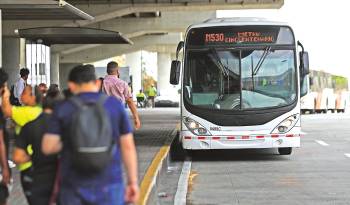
(157, 125)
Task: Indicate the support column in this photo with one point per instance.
(64, 69)
(54, 68)
(133, 60)
(164, 64)
(11, 58)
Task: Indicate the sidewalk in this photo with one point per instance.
(157, 125)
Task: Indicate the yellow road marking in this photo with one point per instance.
(150, 177)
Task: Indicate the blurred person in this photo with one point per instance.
(44, 167)
(5, 170)
(113, 86)
(21, 115)
(86, 186)
(67, 93)
(141, 98)
(43, 88)
(20, 84)
(152, 93)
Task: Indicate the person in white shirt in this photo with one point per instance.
(21, 83)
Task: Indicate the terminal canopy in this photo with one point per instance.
(72, 35)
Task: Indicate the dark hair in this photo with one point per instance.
(24, 72)
(3, 77)
(82, 74)
(52, 98)
(53, 88)
(67, 93)
(37, 93)
(111, 67)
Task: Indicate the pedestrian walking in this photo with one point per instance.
(93, 133)
(113, 86)
(152, 93)
(44, 167)
(21, 115)
(5, 170)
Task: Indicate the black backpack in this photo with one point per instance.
(91, 136)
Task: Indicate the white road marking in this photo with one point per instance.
(181, 192)
(321, 143)
(347, 155)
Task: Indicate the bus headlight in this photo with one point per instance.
(195, 127)
(286, 124)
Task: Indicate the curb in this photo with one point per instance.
(149, 180)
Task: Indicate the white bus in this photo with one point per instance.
(240, 85)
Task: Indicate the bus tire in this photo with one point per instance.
(285, 151)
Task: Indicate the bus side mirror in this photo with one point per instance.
(304, 63)
(175, 72)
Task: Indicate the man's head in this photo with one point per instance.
(140, 91)
(112, 68)
(82, 78)
(43, 87)
(3, 79)
(31, 96)
(24, 72)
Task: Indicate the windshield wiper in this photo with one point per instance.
(218, 62)
(261, 60)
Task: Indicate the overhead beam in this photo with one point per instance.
(107, 51)
(162, 48)
(139, 8)
(171, 22)
(4, 3)
(106, 12)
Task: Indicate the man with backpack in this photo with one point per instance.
(19, 87)
(94, 133)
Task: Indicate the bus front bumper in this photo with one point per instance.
(193, 142)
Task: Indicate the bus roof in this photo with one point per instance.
(237, 21)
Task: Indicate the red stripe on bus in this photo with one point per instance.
(187, 137)
(274, 136)
(260, 137)
(231, 138)
(201, 138)
(245, 137)
(216, 138)
(289, 135)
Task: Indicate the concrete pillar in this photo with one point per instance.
(133, 60)
(22, 53)
(11, 58)
(164, 64)
(64, 72)
(54, 68)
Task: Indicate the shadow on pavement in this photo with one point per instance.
(177, 153)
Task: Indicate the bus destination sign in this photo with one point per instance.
(244, 37)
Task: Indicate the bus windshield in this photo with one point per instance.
(240, 79)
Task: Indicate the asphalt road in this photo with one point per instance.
(317, 173)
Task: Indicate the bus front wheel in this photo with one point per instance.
(285, 151)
